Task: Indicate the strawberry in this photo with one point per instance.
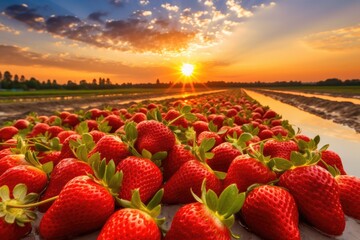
(97, 135)
(189, 176)
(50, 156)
(138, 117)
(316, 193)
(280, 148)
(63, 172)
(245, 170)
(111, 148)
(114, 122)
(139, 173)
(84, 204)
(7, 132)
(210, 218)
(207, 135)
(71, 120)
(65, 134)
(135, 220)
(332, 159)
(10, 143)
(34, 178)
(200, 126)
(15, 223)
(66, 151)
(271, 213)
(176, 157)
(154, 137)
(21, 124)
(54, 131)
(349, 187)
(224, 154)
(39, 128)
(10, 161)
(4, 152)
(174, 114)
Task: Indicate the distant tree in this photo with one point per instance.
(1, 76)
(7, 76)
(108, 82)
(32, 83)
(157, 81)
(22, 78)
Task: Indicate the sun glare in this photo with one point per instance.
(187, 69)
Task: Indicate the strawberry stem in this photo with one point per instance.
(31, 205)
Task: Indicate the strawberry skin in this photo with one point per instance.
(63, 172)
(245, 171)
(207, 134)
(154, 137)
(176, 157)
(317, 196)
(83, 206)
(10, 161)
(13, 231)
(349, 187)
(34, 178)
(139, 173)
(333, 159)
(129, 224)
(271, 213)
(7, 132)
(224, 154)
(282, 149)
(111, 147)
(189, 176)
(194, 221)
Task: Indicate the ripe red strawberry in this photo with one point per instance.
(279, 148)
(111, 148)
(65, 134)
(245, 170)
(13, 231)
(332, 159)
(10, 161)
(71, 120)
(349, 188)
(317, 196)
(138, 117)
(97, 135)
(114, 122)
(154, 137)
(224, 154)
(34, 178)
(66, 151)
(176, 157)
(10, 143)
(269, 114)
(21, 124)
(200, 126)
(209, 219)
(54, 131)
(84, 204)
(91, 124)
(189, 176)
(135, 220)
(139, 173)
(271, 213)
(172, 114)
(63, 172)
(4, 152)
(39, 128)
(50, 156)
(207, 135)
(7, 132)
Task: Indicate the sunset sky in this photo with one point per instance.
(144, 40)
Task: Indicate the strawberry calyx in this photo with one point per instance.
(239, 142)
(223, 207)
(105, 174)
(31, 158)
(297, 159)
(153, 208)
(82, 146)
(11, 209)
(130, 138)
(185, 112)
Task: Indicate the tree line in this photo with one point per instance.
(16, 82)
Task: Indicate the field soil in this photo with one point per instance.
(345, 113)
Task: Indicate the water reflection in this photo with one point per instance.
(343, 140)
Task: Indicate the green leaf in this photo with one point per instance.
(48, 167)
(207, 144)
(237, 204)
(220, 175)
(146, 154)
(282, 164)
(209, 155)
(4, 193)
(297, 158)
(226, 199)
(186, 109)
(156, 199)
(9, 218)
(317, 139)
(212, 127)
(190, 117)
(244, 137)
(159, 155)
(211, 200)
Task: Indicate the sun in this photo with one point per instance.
(187, 69)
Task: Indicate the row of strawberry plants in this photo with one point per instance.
(223, 157)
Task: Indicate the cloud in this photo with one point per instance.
(96, 16)
(341, 39)
(8, 29)
(15, 55)
(157, 27)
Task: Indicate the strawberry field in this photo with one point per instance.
(205, 167)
